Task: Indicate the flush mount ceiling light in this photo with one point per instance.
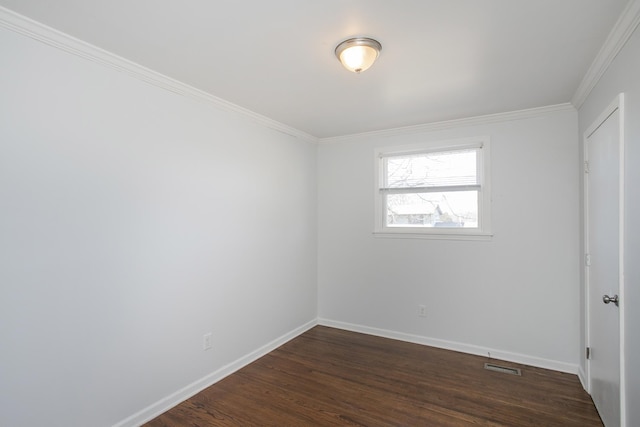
(358, 54)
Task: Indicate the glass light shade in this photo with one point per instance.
(358, 54)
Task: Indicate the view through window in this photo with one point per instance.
(433, 189)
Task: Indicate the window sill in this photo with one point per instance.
(478, 236)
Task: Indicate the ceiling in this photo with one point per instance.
(441, 59)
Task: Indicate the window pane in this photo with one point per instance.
(453, 209)
(432, 169)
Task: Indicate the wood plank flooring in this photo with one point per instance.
(331, 377)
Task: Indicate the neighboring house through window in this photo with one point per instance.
(436, 189)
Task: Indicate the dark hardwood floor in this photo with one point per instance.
(331, 377)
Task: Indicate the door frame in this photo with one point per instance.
(616, 104)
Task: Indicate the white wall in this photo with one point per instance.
(132, 221)
(623, 76)
(516, 295)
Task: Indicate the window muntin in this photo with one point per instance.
(433, 190)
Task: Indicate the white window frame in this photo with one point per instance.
(482, 232)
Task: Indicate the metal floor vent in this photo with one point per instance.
(503, 369)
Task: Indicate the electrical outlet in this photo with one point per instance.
(422, 311)
(207, 341)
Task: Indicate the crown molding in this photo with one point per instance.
(618, 37)
(35, 30)
(451, 124)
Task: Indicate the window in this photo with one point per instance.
(434, 190)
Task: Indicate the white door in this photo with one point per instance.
(603, 222)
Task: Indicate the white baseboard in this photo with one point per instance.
(456, 346)
(161, 406)
(582, 376)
